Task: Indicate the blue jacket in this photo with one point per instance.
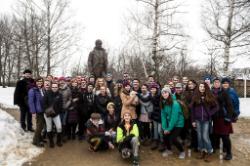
(35, 100)
(235, 100)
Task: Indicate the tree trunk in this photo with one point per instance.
(48, 42)
(155, 41)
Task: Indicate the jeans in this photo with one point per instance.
(57, 122)
(157, 130)
(132, 145)
(204, 143)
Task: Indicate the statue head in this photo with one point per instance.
(98, 43)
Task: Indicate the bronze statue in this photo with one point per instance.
(98, 60)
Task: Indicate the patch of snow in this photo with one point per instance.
(244, 107)
(15, 144)
(7, 97)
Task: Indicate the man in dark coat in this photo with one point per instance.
(98, 60)
(21, 99)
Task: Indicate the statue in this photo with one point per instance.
(98, 60)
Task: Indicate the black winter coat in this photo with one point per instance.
(21, 92)
(55, 99)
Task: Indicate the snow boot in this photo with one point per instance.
(51, 141)
(59, 139)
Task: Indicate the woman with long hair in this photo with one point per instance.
(101, 82)
(203, 106)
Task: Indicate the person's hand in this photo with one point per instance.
(194, 124)
(166, 132)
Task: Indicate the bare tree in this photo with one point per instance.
(159, 30)
(227, 23)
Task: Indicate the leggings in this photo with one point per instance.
(145, 130)
(57, 122)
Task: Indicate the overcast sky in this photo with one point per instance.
(104, 19)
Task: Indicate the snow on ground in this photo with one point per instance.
(15, 144)
(7, 97)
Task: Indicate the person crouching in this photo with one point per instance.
(96, 135)
(128, 138)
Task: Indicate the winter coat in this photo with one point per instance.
(202, 111)
(98, 62)
(55, 99)
(94, 131)
(118, 105)
(146, 103)
(122, 132)
(111, 87)
(21, 92)
(111, 122)
(66, 96)
(35, 100)
(127, 106)
(101, 103)
(156, 114)
(220, 125)
(87, 105)
(235, 100)
(172, 116)
(74, 106)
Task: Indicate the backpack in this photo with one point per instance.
(184, 109)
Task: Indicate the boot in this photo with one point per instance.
(59, 139)
(136, 161)
(207, 157)
(202, 155)
(51, 141)
(154, 145)
(228, 156)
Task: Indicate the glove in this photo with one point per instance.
(129, 137)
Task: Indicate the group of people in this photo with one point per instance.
(128, 113)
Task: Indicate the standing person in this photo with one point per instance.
(172, 122)
(128, 98)
(87, 106)
(53, 102)
(126, 77)
(222, 125)
(35, 100)
(184, 82)
(101, 102)
(203, 106)
(110, 84)
(156, 116)
(65, 91)
(91, 79)
(137, 88)
(72, 118)
(189, 93)
(117, 98)
(233, 96)
(180, 97)
(98, 60)
(145, 100)
(21, 99)
(99, 83)
(128, 138)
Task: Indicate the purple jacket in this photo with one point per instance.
(201, 112)
(35, 100)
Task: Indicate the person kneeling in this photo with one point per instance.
(96, 135)
(128, 138)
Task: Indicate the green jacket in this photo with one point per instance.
(122, 133)
(172, 116)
